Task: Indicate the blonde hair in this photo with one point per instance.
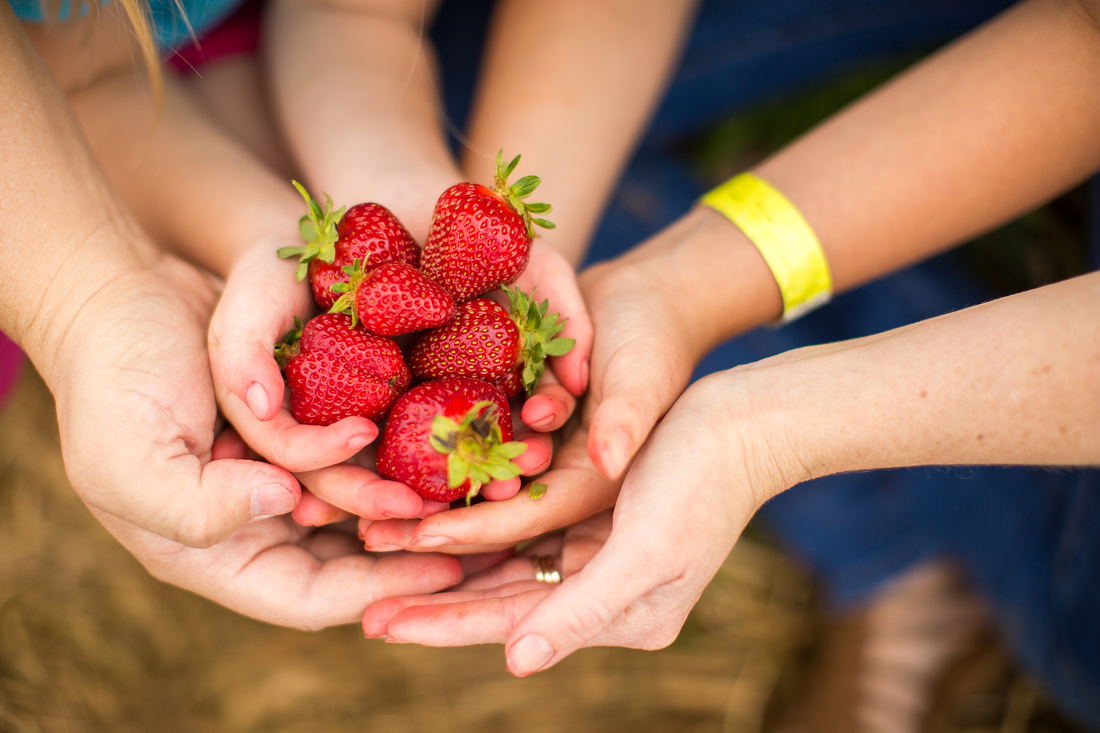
(140, 18)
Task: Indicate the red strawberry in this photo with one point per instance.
(488, 342)
(392, 299)
(510, 383)
(448, 438)
(368, 232)
(480, 239)
(335, 371)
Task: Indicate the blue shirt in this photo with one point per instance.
(169, 27)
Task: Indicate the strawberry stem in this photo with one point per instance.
(538, 335)
(346, 302)
(515, 193)
(318, 229)
(475, 448)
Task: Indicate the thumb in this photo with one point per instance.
(585, 610)
(201, 506)
(637, 384)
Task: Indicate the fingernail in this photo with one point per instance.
(530, 654)
(257, 400)
(383, 548)
(362, 440)
(394, 640)
(616, 452)
(271, 500)
(544, 421)
(584, 374)
(432, 541)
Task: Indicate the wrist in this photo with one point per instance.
(715, 279)
(60, 308)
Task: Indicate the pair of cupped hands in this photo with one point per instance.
(176, 436)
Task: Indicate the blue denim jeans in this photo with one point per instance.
(1029, 538)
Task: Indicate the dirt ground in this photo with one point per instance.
(90, 642)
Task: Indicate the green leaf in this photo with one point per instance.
(457, 470)
(511, 449)
(544, 223)
(560, 347)
(537, 490)
(525, 186)
(501, 471)
(307, 228)
(505, 172)
(286, 252)
(538, 208)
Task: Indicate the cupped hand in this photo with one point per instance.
(261, 299)
(137, 414)
(278, 571)
(550, 277)
(683, 503)
(571, 490)
(641, 361)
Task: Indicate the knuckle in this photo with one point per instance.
(587, 617)
(196, 530)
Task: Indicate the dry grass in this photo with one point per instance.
(89, 642)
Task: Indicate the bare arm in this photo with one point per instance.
(356, 91)
(995, 124)
(571, 85)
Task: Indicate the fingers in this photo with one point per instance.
(640, 371)
(355, 490)
(313, 511)
(574, 491)
(554, 279)
(266, 571)
(258, 306)
(199, 506)
(549, 407)
(453, 619)
(398, 534)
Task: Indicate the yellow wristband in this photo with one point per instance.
(783, 237)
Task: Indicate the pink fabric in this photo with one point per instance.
(238, 34)
(11, 366)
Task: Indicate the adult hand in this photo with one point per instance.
(138, 423)
(640, 362)
(667, 540)
(137, 414)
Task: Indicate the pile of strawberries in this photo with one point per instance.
(410, 336)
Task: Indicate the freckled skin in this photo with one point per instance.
(482, 342)
(370, 233)
(477, 242)
(406, 454)
(340, 371)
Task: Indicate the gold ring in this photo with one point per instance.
(545, 572)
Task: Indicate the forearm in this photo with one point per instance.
(996, 124)
(570, 86)
(66, 236)
(1012, 381)
(356, 90)
(195, 190)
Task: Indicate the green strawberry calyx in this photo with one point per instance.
(516, 192)
(475, 448)
(288, 347)
(346, 302)
(538, 331)
(318, 229)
